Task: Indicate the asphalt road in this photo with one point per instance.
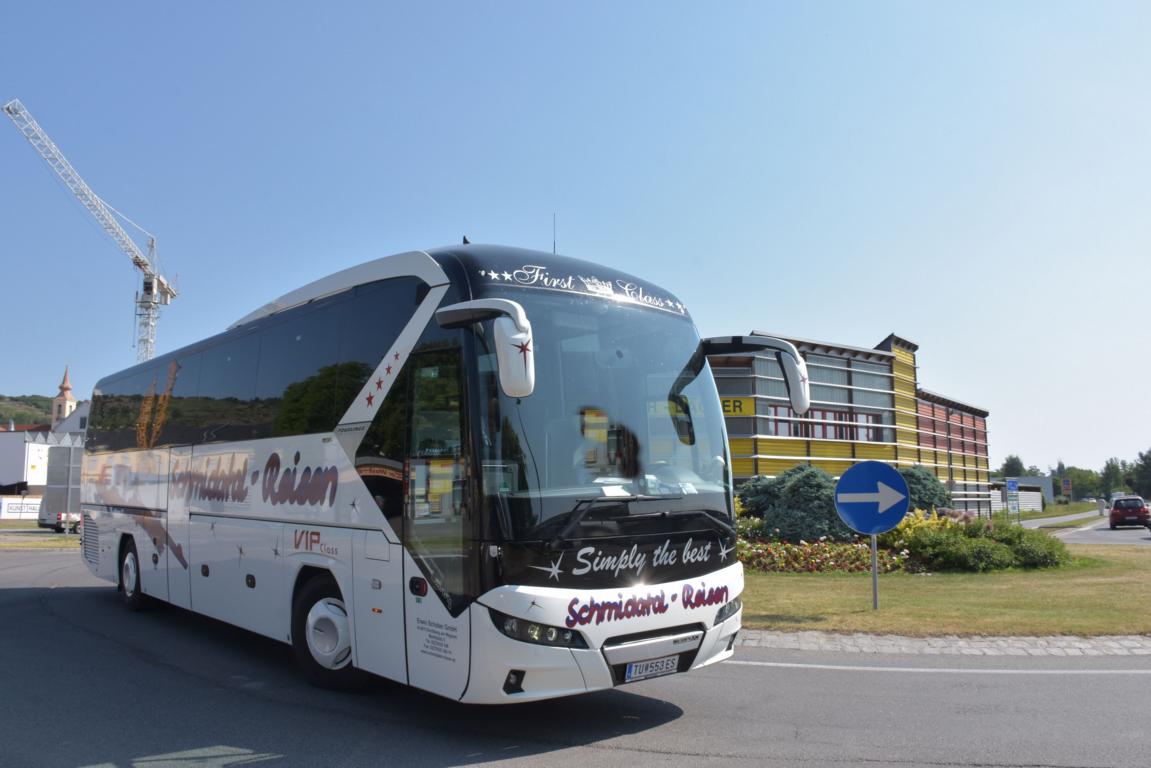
(83, 682)
(1097, 530)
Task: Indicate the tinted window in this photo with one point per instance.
(227, 393)
(185, 411)
(370, 322)
(296, 378)
(122, 414)
(1128, 503)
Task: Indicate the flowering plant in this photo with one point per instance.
(820, 556)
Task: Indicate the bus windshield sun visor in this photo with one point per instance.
(792, 363)
(512, 332)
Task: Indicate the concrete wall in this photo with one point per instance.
(19, 507)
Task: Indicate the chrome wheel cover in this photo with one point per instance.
(128, 573)
(328, 634)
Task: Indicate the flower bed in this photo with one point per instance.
(815, 557)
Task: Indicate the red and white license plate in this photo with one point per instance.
(638, 670)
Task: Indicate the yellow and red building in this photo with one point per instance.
(866, 405)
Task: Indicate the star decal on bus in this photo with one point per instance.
(524, 348)
(723, 552)
(370, 398)
(379, 384)
(553, 571)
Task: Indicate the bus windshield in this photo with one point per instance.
(624, 423)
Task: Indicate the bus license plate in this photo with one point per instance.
(638, 670)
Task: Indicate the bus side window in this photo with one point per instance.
(296, 380)
(228, 389)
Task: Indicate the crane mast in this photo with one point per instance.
(156, 289)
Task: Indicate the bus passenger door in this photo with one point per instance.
(436, 529)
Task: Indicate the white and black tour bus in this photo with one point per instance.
(495, 474)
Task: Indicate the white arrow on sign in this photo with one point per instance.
(885, 496)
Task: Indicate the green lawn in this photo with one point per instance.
(1056, 510)
(57, 541)
(8, 525)
(1104, 592)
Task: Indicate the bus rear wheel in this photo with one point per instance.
(322, 636)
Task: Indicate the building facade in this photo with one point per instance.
(866, 404)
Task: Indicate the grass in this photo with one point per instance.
(73, 542)
(1071, 523)
(1103, 592)
(1056, 510)
(8, 525)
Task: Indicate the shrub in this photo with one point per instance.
(759, 493)
(1036, 549)
(797, 505)
(933, 545)
(978, 546)
(980, 555)
(925, 489)
(913, 521)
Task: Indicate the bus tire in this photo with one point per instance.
(133, 598)
(322, 636)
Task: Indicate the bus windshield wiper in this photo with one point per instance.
(580, 511)
(718, 521)
(584, 506)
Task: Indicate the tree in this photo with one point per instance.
(1111, 479)
(1141, 474)
(927, 493)
(1012, 466)
(1084, 482)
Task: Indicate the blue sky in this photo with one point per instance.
(975, 177)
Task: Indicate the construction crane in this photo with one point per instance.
(157, 290)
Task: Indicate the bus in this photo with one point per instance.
(494, 474)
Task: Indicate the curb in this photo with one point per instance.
(951, 645)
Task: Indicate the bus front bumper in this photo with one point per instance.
(505, 670)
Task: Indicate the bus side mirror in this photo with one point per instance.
(515, 352)
(792, 363)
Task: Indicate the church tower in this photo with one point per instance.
(64, 403)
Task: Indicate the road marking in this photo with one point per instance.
(941, 670)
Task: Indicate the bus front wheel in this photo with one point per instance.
(130, 577)
(322, 636)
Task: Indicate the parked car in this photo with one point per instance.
(1129, 510)
(56, 521)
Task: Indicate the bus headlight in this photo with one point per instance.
(531, 632)
(727, 611)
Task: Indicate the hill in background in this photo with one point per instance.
(25, 409)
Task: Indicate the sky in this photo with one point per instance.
(973, 176)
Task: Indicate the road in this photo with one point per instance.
(1094, 529)
(85, 683)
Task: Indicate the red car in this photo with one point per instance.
(1129, 510)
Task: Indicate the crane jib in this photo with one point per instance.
(156, 289)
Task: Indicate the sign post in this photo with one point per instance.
(1013, 498)
(872, 498)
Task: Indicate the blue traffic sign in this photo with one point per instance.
(1013, 486)
(871, 497)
